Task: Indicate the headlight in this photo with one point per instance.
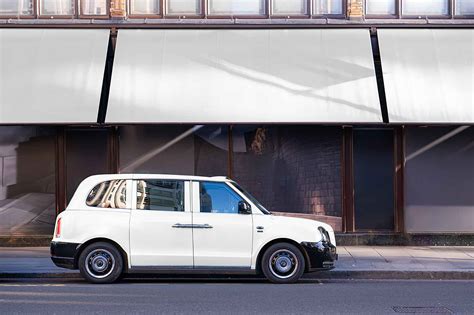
(324, 234)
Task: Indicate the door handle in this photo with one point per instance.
(202, 226)
(182, 226)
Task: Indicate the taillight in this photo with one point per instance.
(58, 228)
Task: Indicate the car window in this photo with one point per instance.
(160, 195)
(109, 194)
(218, 198)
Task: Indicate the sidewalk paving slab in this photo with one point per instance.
(355, 262)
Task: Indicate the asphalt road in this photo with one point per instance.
(221, 296)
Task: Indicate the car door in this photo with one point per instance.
(161, 224)
(221, 236)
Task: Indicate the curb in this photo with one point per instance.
(323, 275)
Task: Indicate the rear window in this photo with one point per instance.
(109, 194)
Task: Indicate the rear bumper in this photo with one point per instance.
(321, 255)
(63, 254)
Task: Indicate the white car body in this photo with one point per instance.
(190, 240)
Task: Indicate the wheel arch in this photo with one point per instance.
(281, 240)
(81, 248)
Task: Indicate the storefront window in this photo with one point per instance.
(144, 7)
(380, 7)
(16, 7)
(290, 7)
(94, 7)
(56, 7)
(327, 7)
(293, 169)
(425, 7)
(27, 186)
(185, 150)
(236, 7)
(439, 179)
(183, 7)
(464, 7)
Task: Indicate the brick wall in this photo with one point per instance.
(118, 8)
(355, 9)
(298, 169)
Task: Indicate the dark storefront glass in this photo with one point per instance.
(374, 179)
(439, 179)
(185, 150)
(86, 154)
(290, 168)
(27, 170)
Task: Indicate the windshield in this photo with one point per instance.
(252, 198)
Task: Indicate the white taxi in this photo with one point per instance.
(137, 223)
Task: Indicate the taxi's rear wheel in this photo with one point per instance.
(100, 262)
(283, 263)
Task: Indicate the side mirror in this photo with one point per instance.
(244, 208)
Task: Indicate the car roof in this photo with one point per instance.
(104, 177)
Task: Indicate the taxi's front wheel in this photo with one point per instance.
(283, 263)
(100, 262)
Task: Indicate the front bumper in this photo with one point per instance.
(321, 255)
(63, 254)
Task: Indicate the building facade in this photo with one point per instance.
(357, 113)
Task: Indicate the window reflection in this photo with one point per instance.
(57, 7)
(218, 198)
(464, 7)
(380, 7)
(290, 7)
(143, 7)
(236, 7)
(94, 7)
(161, 195)
(321, 7)
(183, 7)
(425, 7)
(16, 7)
(109, 194)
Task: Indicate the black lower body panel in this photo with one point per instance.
(63, 254)
(321, 255)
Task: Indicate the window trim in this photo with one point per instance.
(93, 16)
(57, 16)
(33, 14)
(291, 16)
(144, 16)
(184, 16)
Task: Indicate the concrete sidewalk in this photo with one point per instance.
(355, 262)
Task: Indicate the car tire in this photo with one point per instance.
(283, 263)
(100, 262)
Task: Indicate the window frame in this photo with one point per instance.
(144, 16)
(33, 14)
(265, 14)
(57, 16)
(195, 187)
(93, 16)
(129, 187)
(186, 193)
(459, 16)
(307, 15)
(384, 16)
(449, 14)
(343, 14)
(201, 14)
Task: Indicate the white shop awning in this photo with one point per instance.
(51, 75)
(243, 76)
(428, 74)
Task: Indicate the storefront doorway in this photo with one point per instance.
(374, 206)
